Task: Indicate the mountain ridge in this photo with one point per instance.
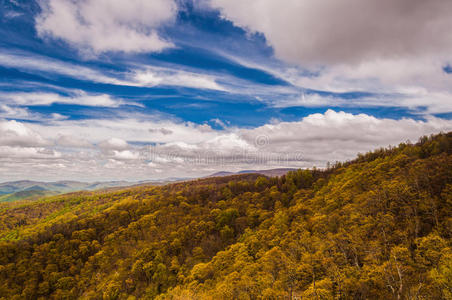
(266, 172)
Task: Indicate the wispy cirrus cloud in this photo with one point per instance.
(158, 76)
(76, 97)
(41, 64)
(418, 101)
(135, 76)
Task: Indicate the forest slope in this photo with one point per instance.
(378, 227)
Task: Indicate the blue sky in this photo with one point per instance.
(102, 90)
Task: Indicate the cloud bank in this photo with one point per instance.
(137, 148)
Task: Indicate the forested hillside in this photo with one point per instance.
(378, 227)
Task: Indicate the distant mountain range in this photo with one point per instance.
(269, 172)
(59, 186)
(32, 190)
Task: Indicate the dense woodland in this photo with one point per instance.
(377, 227)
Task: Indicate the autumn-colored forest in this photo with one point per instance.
(377, 227)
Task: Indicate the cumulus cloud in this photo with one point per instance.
(19, 144)
(126, 155)
(105, 25)
(113, 144)
(337, 31)
(13, 133)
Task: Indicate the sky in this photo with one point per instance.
(98, 90)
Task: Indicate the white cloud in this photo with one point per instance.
(418, 100)
(114, 144)
(378, 75)
(107, 25)
(50, 66)
(153, 76)
(35, 153)
(133, 128)
(126, 155)
(13, 133)
(73, 142)
(7, 111)
(77, 98)
(332, 31)
(22, 113)
(137, 76)
(218, 122)
(311, 100)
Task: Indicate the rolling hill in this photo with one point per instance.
(29, 194)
